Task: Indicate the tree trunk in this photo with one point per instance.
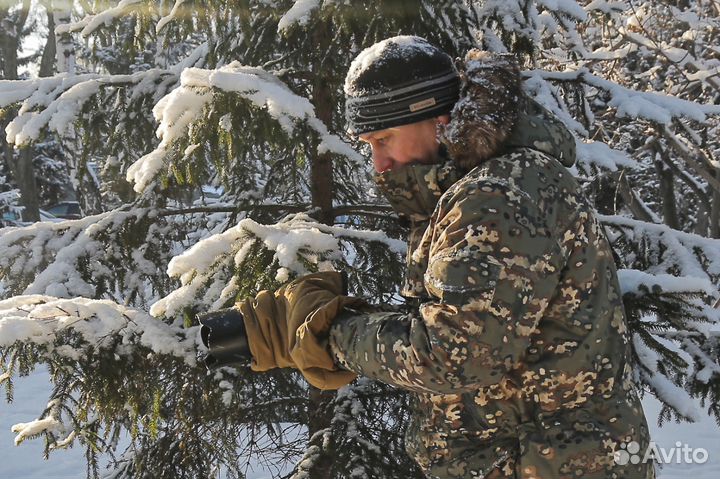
(322, 188)
(667, 193)
(25, 179)
(87, 191)
(6, 150)
(322, 192)
(632, 200)
(8, 45)
(715, 212)
(62, 10)
(47, 63)
(161, 59)
(20, 165)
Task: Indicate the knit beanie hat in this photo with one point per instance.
(399, 81)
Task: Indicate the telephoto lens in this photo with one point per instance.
(223, 334)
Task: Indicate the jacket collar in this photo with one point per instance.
(414, 190)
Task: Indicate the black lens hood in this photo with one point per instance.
(223, 334)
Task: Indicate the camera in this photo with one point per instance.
(223, 334)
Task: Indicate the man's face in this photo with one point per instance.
(406, 144)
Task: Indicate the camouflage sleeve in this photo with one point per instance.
(490, 274)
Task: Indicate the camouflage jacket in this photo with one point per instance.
(518, 353)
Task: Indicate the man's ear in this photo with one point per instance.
(443, 119)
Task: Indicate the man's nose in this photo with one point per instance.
(381, 161)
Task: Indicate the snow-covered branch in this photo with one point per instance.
(46, 255)
(705, 167)
(651, 106)
(636, 282)
(177, 111)
(174, 14)
(90, 23)
(694, 69)
(39, 319)
(299, 13)
(665, 389)
(59, 99)
(686, 255)
(205, 269)
(114, 255)
(601, 155)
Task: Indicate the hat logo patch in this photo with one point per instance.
(421, 105)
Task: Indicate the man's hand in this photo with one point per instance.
(289, 328)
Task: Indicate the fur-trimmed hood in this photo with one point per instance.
(493, 115)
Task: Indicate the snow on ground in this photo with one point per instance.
(704, 434)
(31, 393)
(26, 461)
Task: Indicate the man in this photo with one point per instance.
(517, 350)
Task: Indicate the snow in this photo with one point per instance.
(176, 112)
(699, 69)
(651, 106)
(299, 13)
(31, 394)
(61, 98)
(29, 429)
(606, 6)
(656, 107)
(295, 241)
(196, 58)
(601, 155)
(92, 22)
(62, 115)
(260, 87)
(174, 13)
(9, 197)
(25, 461)
(568, 7)
(389, 49)
(632, 279)
(225, 122)
(288, 241)
(670, 392)
(681, 246)
(12, 91)
(704, 434)
(38, 319)
(180, 108)
(547, 95)
(59, 247)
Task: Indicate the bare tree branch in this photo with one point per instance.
(381, 211)
(692, 160)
